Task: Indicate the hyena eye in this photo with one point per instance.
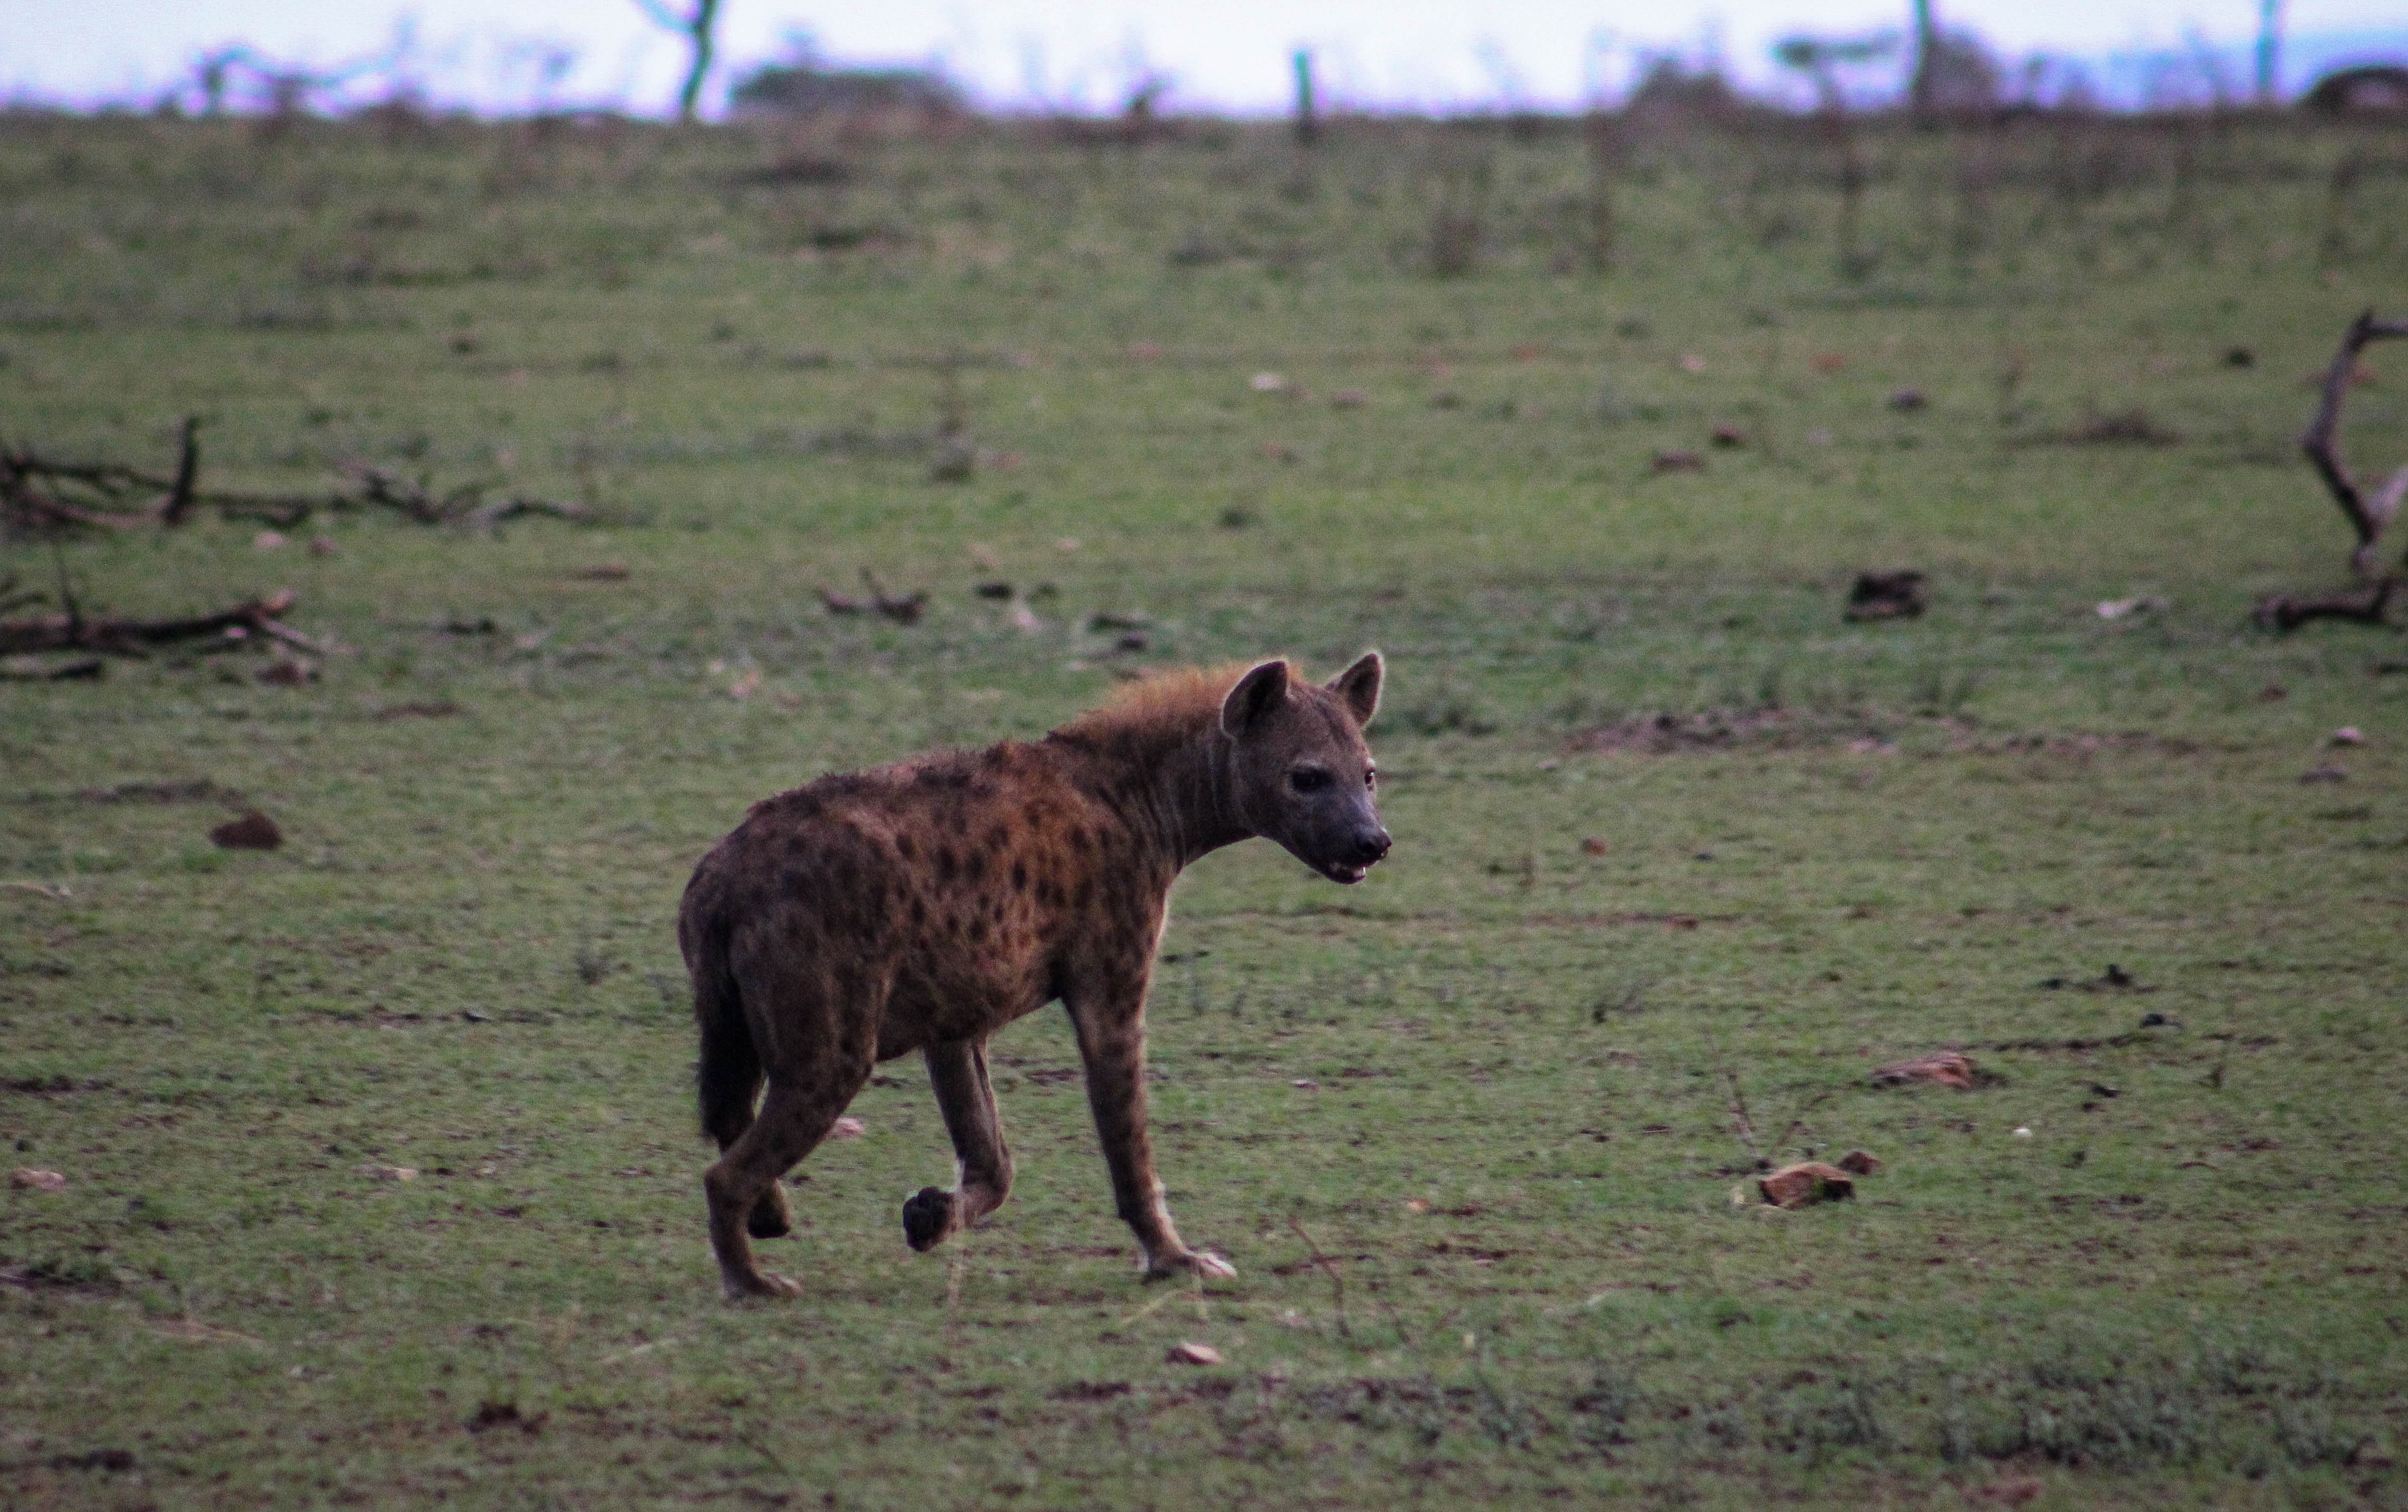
(1309, 779)
(1370, 779)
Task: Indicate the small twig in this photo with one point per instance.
(1740, 1122)
(178, 501)
(1799, 1122)
(1329, 1268)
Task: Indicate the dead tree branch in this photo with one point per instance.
(2368, 511)
(120, 636)
(40, 495)
(2369, 514)
(2361, 606)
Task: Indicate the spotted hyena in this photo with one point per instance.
(925, 905)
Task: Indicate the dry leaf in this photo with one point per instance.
(848, 1128)
(37, 1181)
(1805, 1183)
(1192, 1353)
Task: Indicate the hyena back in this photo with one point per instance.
(925, 905)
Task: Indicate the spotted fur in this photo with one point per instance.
(925, 905)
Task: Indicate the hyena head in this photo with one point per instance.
(1303, 776)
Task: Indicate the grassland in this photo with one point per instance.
(1494, 1087)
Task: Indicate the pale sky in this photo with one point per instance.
(1231, 55)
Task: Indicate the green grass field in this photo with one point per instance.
(1492, 1090)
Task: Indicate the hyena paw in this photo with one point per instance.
(1189, 1262)
(927, 1218)
(760, 1284)
(770, 1219)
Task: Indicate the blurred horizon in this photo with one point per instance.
(1017, 57)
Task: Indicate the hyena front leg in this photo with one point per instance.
(1111, 1043)
(957, 1072)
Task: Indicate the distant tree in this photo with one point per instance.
(2270, 46)
(695, 24)
(807, 87)
(1924, 86)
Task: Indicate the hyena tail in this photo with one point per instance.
(729, 1075)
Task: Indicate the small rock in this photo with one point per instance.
(2349, 735)
(1417, 1204)
(2023, 1133)
(390, 1173)
(1192, 1353)
(1945, 1068)
(267, 540)
(1858, 1164)
(471, 1015)
(31, 1180)
(1266, 382)
(1306, 1083)
(253, 831)
(848, 1128)
(2158, 1021)
(1805, 1183)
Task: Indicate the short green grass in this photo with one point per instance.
(1469, 1131)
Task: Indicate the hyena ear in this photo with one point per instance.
(1256, 694)
(1359, 686)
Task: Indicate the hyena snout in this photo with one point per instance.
(1371, 846)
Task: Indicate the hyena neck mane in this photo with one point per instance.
(1155, 751)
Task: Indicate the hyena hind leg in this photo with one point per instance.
(792, 1122)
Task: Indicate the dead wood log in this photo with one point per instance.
(2368, 513)
(120, 636)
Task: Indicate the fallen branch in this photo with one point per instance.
(119, 636)
(40, 494)
(2286, 611)
(2368, 513)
